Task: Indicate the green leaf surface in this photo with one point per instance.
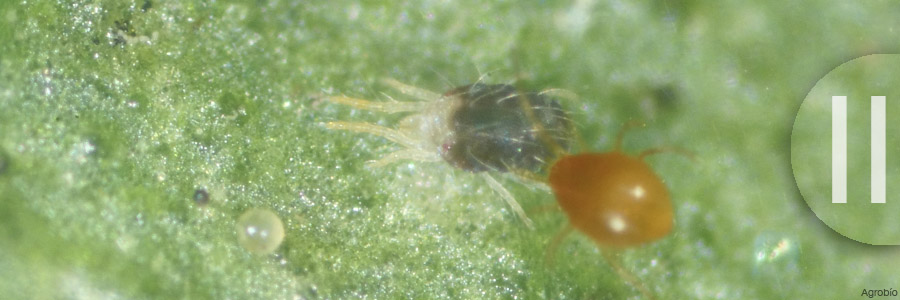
(113, 113)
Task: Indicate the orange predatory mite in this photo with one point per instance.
(614, 198)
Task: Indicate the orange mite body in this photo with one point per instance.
(614, 198)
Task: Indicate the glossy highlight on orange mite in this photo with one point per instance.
(615, 199)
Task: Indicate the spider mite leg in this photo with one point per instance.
(508, 197)
(419, 93)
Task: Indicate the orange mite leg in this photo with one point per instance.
(621, 135)
(554, 243)
(610, 258)
(653, 151)
(632, 280)
(545, 208)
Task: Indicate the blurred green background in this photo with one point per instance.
(112, 114)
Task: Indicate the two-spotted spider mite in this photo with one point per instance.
(478, 127)
(613, 198)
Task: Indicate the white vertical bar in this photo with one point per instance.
(879, 152)
(838, 149)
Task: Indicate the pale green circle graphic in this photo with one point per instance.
(811, 149)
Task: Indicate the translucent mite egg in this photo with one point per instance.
(259, 231)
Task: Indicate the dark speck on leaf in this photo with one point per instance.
(201, 197)
(666, 96)
(3, 163)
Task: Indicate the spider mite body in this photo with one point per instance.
(492, 129)
(477, 127)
